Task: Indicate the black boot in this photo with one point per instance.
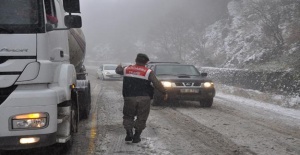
(129, 135)
(136, 137)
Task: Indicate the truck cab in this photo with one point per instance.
(39, 93)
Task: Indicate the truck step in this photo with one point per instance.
(62, 118)
(63, 139)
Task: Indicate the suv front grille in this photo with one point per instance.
(187, 84)
(179, 84)
(197, 84)
(5, 92)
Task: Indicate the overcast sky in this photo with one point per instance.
(112, 19)
(121, 23)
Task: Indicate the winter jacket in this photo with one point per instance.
(137, 81)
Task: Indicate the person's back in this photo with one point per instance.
(135, 81)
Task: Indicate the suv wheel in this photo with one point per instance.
(206, 102)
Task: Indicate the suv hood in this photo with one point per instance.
(182, 78)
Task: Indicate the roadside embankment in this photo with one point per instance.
(280, 87)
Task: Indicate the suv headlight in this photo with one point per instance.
(30, 121)
(166, 84)
(207, 84)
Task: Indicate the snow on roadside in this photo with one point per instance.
(289, 106)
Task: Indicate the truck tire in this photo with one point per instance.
(206, 102)
(86, 98)
(74, 118)
(84, 111)
(89, 96)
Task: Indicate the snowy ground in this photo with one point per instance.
(239, 122)
(258, 97)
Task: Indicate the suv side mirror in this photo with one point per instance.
(204, 74)
(73, 21)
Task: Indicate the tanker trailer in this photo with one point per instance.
(77, 48)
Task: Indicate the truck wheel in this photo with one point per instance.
(74, 119)
(89, 96)
(206, 102)
(84, 114)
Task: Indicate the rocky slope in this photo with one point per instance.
(257, 34)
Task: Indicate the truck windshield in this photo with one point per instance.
(21, 16)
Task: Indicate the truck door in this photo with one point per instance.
(57, 39)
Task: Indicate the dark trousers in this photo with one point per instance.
(136, 106)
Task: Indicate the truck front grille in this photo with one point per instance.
(5, 92)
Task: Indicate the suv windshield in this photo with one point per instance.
(176, 70)
(21, 16)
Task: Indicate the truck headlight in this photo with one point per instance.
(30, 121)
(207, 84)
(106, 73)
(166, 84)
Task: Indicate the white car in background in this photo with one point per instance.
(107, 72)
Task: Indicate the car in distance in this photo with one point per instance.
(183, 82)
(107, 72)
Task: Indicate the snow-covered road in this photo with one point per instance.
(233, 125)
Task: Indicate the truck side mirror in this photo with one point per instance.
(73, 21)
(204, 74)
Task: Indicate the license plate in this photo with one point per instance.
(189, 90)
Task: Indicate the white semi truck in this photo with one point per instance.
(44, 89)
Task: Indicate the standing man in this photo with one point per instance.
(136, 91)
